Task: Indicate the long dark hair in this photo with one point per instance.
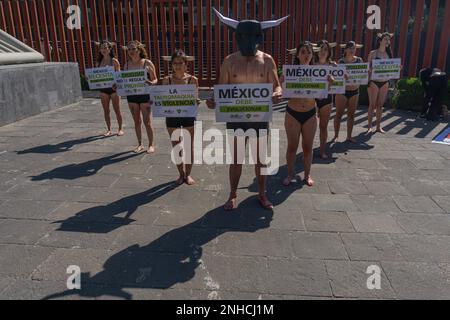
(320, 44)
(304, 44)
(388, 48)
(111, 51)
(142, 52)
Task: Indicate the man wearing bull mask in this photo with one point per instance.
(248, 66)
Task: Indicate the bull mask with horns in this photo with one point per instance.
(249, 33)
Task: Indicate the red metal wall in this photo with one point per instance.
(164, 25)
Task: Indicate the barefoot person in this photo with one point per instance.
(248, 66)
(106, 58)
(350, 99)
(180, 76)
(323, 56)
(377, 90)
(140, 104)
(301, 121)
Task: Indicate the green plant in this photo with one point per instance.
(409, 95)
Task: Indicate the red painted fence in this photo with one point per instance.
(421, 28)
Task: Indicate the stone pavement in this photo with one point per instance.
(70, 197)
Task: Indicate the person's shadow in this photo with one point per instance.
(105, 218)
(85, 169)
(173, 258)
(278, 193)
(60, 147)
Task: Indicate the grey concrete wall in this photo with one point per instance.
(30, 89)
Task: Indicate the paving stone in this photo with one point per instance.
(349, 280)
(333, 203)
(418, 204)
(298, 277)
(317, 221)
(425, 187)
(423, 248)
(93, 203)
(374, 204)
(42, 290)
(386, 188)
(27, 209)
(425, 224)
(234, 273)
(443, 202)
(370, 247)
(347, 187)
(318, 246)
(264, 243)
(375, 223)
(419, 280)
(19, 261)
(23, 231)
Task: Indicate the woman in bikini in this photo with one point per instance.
(350, 99)
(138, 59)
(323, 56)
(180, 76)
(106, 58)
(301, 120)
(377, 90)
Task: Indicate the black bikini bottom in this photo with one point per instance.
(324, 102)
(301, 117)
(108, 91)
(351, 93)
(139, 99)
(257, 126)
(379, 84)
(180, 122)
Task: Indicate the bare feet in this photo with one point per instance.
(287, 182)
(108, 134)
(151, 150)
(190, 181)
(139, 149)
(231, 204)
(380, 130)
(309, 181)
(335, 139)
(369, 131)
(265, 203)
(180, 180)
(120, 133)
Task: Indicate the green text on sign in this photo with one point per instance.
(231, 109)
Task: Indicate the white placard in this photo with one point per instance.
(132, 82)
(302, 81)
(358, 73)
(386, 69)
(244, 102)
(100, 78)
(174, 101)
(338, 86)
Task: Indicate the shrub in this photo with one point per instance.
(408, 95)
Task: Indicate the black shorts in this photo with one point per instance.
(257, 126)
(139, 99)
(175, 123)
